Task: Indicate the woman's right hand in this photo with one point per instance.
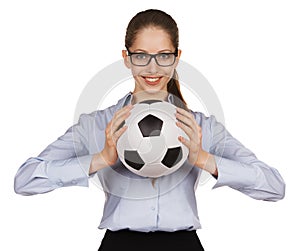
(108, 156)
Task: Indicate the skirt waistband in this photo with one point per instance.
(158, 240)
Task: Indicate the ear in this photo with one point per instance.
(178, 57)
(126, 59)
(179, 53)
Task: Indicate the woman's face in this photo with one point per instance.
(152, 77)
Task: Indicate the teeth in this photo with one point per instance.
(152, 79)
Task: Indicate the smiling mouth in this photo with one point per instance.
(152, 80)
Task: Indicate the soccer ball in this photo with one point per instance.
(150, 146)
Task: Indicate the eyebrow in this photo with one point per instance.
(145, 51)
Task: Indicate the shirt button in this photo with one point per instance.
(152, 208)
(60, 183)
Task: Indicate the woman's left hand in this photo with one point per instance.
(197, 156)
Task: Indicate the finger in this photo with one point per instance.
(186, 114)
(119, 119)
(186, 129)
(119, 133)
(199, 131)
(184, 119)
(119, 122)
(110, 134)
(184, 141)
(122, 111)
(108, 129)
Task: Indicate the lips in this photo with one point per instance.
(152, 80)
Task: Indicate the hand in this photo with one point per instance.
(108, 156)
(113, 133)
(197, 156)
(188, 124)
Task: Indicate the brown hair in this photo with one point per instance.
(156, 18)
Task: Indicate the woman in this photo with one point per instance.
(141, 213)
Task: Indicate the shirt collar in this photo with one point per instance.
(128, 97)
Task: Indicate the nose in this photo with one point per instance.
(152, 66)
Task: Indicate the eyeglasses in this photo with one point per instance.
(162, 59)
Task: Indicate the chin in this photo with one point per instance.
(151, 93)
(153, 90)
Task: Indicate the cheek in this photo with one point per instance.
(166, 72)
(136, 71)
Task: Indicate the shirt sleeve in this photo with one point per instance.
(240, 169)
(65, 162)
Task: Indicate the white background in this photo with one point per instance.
(248, 50)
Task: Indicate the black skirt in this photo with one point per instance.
(155, 241)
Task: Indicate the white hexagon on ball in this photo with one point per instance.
(150, 146)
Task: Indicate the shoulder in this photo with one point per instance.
(212, 130)
(102, 117)
(204, 120)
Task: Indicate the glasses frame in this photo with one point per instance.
(175, 53)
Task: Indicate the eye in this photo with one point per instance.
(164, 56)
(140, 56)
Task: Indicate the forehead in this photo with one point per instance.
(152, 39)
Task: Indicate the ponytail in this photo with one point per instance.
(173, 87)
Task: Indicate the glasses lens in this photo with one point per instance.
(165, 59)
(140, 59)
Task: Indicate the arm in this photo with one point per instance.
(227, 159)
(69, 160)
(239, 168)
(65, 162)
(109, 156)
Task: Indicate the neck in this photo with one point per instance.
(143, 95)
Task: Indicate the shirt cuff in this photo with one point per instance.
(70, 172)
(234, 174)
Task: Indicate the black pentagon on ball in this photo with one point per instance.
(133, 159)
(172, 157)
(150, 101)
(150, 126)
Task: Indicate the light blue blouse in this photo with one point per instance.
(167, 203)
